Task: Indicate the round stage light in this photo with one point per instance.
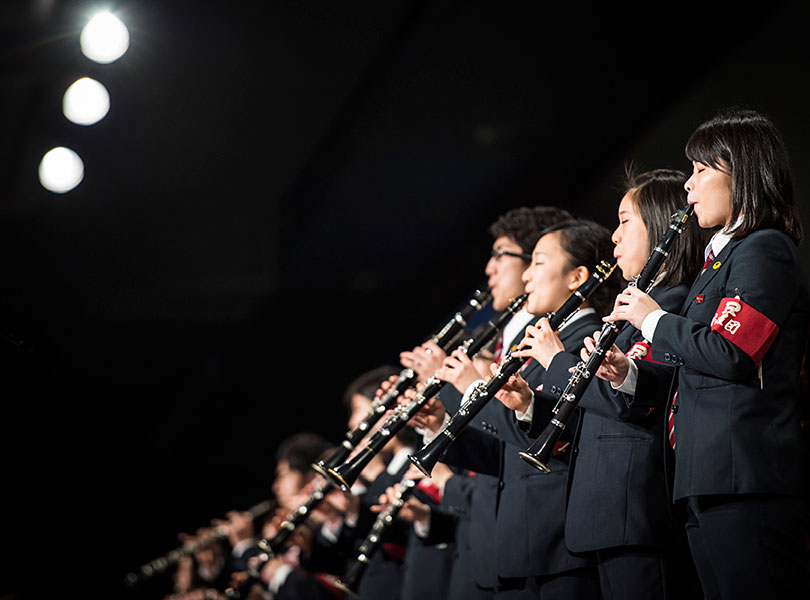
(86, 101)
(104, 39)
(60, 170)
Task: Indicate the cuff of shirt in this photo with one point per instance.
(278, 579)
(526, 417)
(242, 546)
(422, 529)
(429, 436)
(628, 386)
(650, 323)
(331, 532)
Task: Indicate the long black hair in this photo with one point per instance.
(746, 145)
(658, 194)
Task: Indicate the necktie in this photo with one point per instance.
(671, 422)
(499, 349)
(709, 260)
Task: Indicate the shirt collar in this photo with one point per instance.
(721, 239)
(398, 461)
(577, 315)
(514, 326)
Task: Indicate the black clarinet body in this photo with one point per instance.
(539, 453)
(346, 474)
(351, 578)
(444, 338)
(274, 547)
(162, 564)
(427, 457)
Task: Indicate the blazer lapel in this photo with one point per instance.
(703, 280)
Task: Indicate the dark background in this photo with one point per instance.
(284, 195)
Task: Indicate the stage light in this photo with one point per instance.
(104, 39)
(60, 170)
(86, 101)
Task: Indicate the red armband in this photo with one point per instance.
(431, 490)
(641, 351)
(745, 327)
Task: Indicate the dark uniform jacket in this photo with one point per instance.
(738, 346)
(618, 494)
(530, 507)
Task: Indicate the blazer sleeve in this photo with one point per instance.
(475, 450)
(763, 275)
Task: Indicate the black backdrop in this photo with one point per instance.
(284, 195)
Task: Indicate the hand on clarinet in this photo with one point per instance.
(238, 526)
(515, 393)
(385, 386)
(633, 306)
(424, 359)
(540, 342)
(615, 365)
(413, 510)
(458, 370)
(430, 416)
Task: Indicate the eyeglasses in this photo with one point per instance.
(498, 252)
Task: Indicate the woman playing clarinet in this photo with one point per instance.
(741, 468)
(617, 509)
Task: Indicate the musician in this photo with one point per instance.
(530, 553)
(335, 527)
(740, 468)
(617, 509)
(428, 566)
(515, 234)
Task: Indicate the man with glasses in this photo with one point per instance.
(515, 234)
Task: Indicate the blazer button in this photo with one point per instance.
(674, 408)
(667, 356)
(576, 449)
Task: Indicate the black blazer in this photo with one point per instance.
(470, 529)
(530, 509)
(618, 494)
(737, 425)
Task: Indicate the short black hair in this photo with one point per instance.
(588, 243)
(524, 225)
(658, 194)
(302, 449)
(747, 145)
(367, 383)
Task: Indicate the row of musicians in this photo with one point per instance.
(684, 473)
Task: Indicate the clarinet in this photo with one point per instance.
(351, 578)
(426, 458)
(347, 473)
(539, 453)
(274, 547)
(444, 338)
(161, 564)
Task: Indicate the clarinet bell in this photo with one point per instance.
(538, 461)
(427, 457)
(540, 452)
(346, 474)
